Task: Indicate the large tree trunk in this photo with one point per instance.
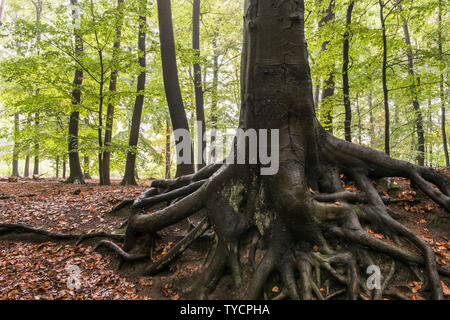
(415, 101)
(199, 101)
(171, 81)
(76, 174)
(299, 217)
(130, 166)
(387, 131)
(346, 86)
(112, 90)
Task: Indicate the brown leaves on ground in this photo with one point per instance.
(39, 271)
(62, 207)
(446, 289)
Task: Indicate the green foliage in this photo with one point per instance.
(37, 63)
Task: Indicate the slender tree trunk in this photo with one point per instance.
(38, 6)
(326, 105)
(430, 131)
(358, 111)
(76, 174)
(199, 101)
(86, 159)
(167, 150)
(346, 87)
(36, 145)
(64, 168)
(441, 89)
(214, 100)
(415, 101)
(26, 172)
(171, 82)
(387, 131)
(15, 160)
(57, 166)
(130, 166)
(112, 91)
(371, 121)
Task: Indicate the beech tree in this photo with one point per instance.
(300, 218)
(75, 172)
(130, 166)
(171, 81)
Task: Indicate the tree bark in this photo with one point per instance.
(371, 121)
(171, 81)
(76, 174)
(112, 90)
(199, 101)
(441, 89)
(387, 131)
(130, 166)
(345, 62)
(15, 160)
(358, 111)
(86, 159)
(38, 7)
(214, 101)
(167, 151)
(36, 144)
(64, 168)
(326, 103)
(26, 172)
(57, 166)
(415, 102)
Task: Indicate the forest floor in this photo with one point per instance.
(39, 270)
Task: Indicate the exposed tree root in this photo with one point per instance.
(181, 246)
(311, 252)
(240, 207)
(124, 255)
(5, 197)
(9, 230)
